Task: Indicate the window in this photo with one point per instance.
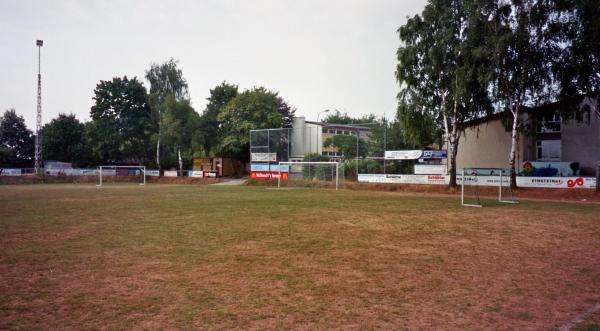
(548, 150)
(549, 123)
(345, 132)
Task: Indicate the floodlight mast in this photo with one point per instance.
(38, 123)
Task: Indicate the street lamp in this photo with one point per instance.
(324, 111)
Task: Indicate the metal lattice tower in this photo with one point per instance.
(38, 124)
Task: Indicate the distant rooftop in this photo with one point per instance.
(342, 126)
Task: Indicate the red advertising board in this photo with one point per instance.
(268, 175)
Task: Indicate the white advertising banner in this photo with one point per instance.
(153, 173)
(170, 173)
(403, 179)
(539, 182)
(557, 182)
(263, 157)
(430, 169)
(380, 178)
(403, 155)
(195, 173)
(10, 172)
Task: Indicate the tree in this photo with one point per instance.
(121, 121)
(347, 145)
(166, 80)
(180, 126)
(257, 108)
(64, 140)
(16, 141)
(516, 49)
(442, 75)
(574, 27)
(337, 117)
(219, 97)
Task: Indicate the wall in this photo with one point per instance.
(581, 143)
(487, 145)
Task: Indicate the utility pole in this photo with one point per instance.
(38, 124)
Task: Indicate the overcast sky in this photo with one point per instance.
(317, 54)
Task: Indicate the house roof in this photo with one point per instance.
(342, 126)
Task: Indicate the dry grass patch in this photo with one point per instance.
(175, 256)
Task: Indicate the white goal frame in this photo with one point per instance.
(142, 168)
(500, 186)
(336, 164)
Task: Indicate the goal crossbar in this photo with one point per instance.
(142, 169)
(336, 164)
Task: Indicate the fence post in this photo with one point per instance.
(598, 176)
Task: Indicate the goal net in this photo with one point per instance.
(311, 174)
(121, 174)
(478, 182)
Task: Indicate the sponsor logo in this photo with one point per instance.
(573, 183)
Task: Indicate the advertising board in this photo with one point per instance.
(268, 175)
(170, 173)
(263, 157)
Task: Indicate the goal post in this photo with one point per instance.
(474, 179)
(311, 173)
(116, 171)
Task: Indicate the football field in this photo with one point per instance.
(243, 257)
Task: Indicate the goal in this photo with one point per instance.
(121, 174)
(310, 174)
(475, 180)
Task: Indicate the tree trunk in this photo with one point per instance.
(158, 152)
(180, 162)
(452, 134)
(513, 147)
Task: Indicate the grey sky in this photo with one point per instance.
(317, 54)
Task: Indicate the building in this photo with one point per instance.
(572, 147)
(309, 137)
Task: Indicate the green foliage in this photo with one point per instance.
(64, 140)
(337, 117)
(180, 129)
(347, 145)
(573, 34)
(317, 171)
(121, 121)
(365, 166)
(219, 98)
(16, 141)
(166, 80)
(257, 108)
(315, 157)
(443, 72)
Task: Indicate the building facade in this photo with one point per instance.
(546, 140)
(309, 137)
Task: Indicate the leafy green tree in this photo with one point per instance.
(121, 121)
(64, 140)
(347, 145)
(219, 98)
(442, 74)
(516, 49)
(16, 141)
(257, 108)
(166, 80)
(337, 117)
(574, 29)
(180, 126)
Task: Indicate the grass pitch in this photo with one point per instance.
(188, 256)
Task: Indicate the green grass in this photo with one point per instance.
(219, 257)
